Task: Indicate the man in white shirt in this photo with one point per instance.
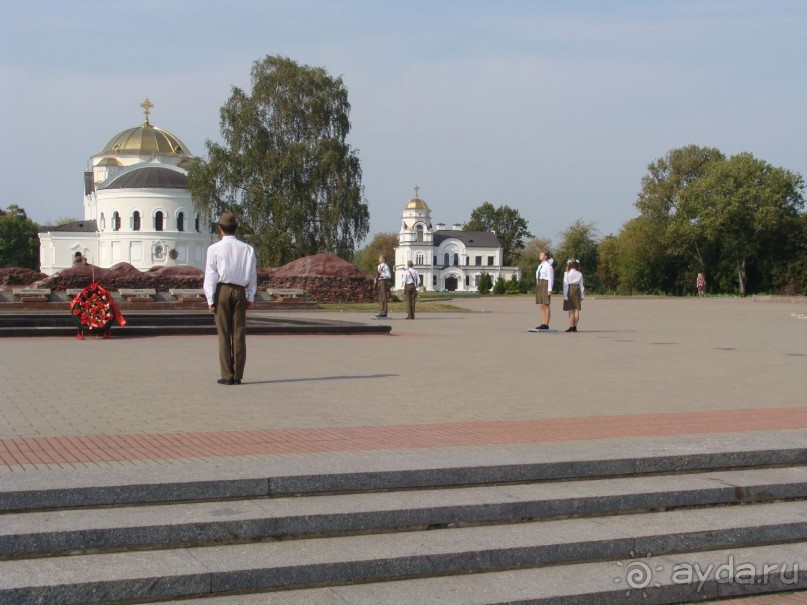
(382, 280)
(410, 289)
(231, 279)
(544, 281)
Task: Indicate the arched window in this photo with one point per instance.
(419, 229)
(446, 262)
(197, 224)
(136, 220)
(102, 221)
(115, 221)
(158, 220)
(181, 221)
(456, 259)
(419, 258)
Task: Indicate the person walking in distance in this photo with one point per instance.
(700, 284)
(231, 280)
(382, 278)
(410, 289)
(544, 281)
(573, 293)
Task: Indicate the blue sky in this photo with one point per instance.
(554, 108)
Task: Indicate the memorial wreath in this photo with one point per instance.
(93, 310)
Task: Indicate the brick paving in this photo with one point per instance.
(637, 368)
(71, 451)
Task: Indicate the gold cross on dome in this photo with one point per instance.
(417, 191)
(147, 105)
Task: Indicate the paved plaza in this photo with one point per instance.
(639, 368)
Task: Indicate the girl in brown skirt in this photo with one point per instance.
(573, 293)
(544, 281)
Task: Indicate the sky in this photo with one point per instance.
(552, 107)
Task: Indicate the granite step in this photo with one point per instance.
(233, 521)
(686, 577)
(100, 487)
(199, 571)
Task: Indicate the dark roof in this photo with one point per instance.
(74, 227)
(148, 177)
(471, 239)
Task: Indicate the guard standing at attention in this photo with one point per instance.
(382, 279)
(231, 279)
(544, 281)
(411, 279)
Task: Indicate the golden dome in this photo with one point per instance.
(146, 140)
(416, 204)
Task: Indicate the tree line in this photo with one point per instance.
(738, 220)
(286, 171)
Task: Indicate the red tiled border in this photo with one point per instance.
(69, 451)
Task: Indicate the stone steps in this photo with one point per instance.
(561, 531)
(698, 577)
(175, 322)
(218, 522)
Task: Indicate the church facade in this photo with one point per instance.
(137, 208)
(446, 259)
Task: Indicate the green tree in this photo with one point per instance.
(506, 222)
(485, 283)
(512, 286)
(607, 273)
(499, 287)
(741, 203)
(285, 169)
(641, 260)
(580, 241)
(65, 220)
(366, 259)
(789, 267)
(19, 239)
(659, 200)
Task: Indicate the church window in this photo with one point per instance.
(435, 263)
(456, 259)
(446, 262)
(136, 221)
(181, 221)
(467, 280)
(420, 233)
(102, 221)
(478, 262)
(196, 226)
(434, 281)
(115, 221)
(158, 220)
(476, 280)
(419, 258)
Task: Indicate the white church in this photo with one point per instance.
(446, 259)
(137, 208)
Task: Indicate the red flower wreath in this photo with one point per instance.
(94, 310)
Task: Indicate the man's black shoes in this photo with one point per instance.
(227, 381)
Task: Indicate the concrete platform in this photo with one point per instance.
(637, 368)
(450, 399)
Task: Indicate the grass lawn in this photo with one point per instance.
(422, 306)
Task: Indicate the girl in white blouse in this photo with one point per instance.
(573, 293)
